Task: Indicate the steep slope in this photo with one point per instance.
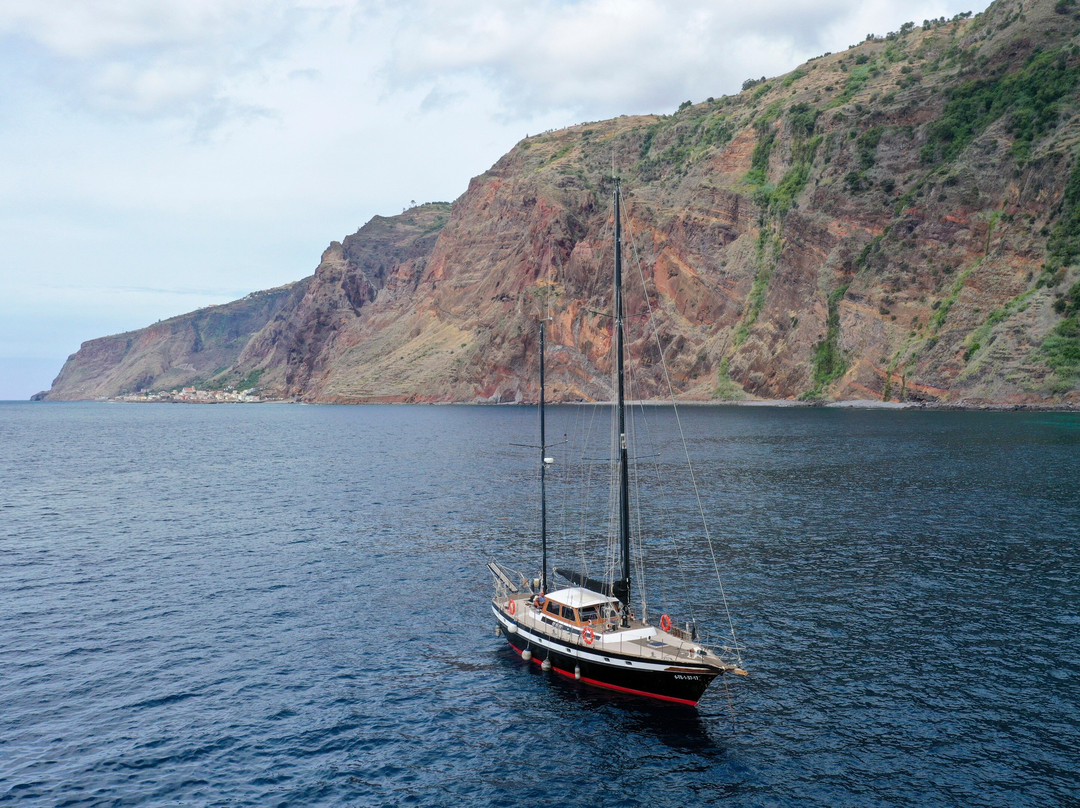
(184, 350)
(898, 221)
(314, 345)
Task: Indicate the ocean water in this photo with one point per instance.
(273, 605)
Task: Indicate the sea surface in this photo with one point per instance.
(271, 605)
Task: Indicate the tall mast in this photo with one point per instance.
(543, 473)
(621, 588)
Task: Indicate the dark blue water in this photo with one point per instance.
(286, 605)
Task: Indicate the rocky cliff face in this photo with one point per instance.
(189, 349)
(898, 221)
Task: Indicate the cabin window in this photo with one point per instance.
(568, 613)
(551, 607)
(589, 613)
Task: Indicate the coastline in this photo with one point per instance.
(847, 404)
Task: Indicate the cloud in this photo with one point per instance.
(607, 57)
(125, 57)
(202, 60)
(81, 31)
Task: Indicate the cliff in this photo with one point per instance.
(897, 221)
(180, 351)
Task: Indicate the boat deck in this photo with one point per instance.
(639, 639)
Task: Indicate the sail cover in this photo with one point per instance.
(604, 587)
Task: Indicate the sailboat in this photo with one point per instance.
(588, 631)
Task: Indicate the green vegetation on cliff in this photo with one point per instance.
(1063, 246)
(1029, 96)
(829, 361)
(1062, 347)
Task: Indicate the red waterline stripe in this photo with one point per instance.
(598, 683)
(645, 693)
(639, 692)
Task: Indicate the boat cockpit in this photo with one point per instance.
(578, 607)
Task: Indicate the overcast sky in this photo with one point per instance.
(163, 155)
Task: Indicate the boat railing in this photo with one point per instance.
(504, 579)
(718, 645)
(682, 634)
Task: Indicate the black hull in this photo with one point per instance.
(684, 685)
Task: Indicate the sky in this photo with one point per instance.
(163, 155)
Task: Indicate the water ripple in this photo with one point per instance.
(234, 606)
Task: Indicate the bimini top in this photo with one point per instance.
(578, 597)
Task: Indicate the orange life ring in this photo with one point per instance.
(511, 606)
(587, 635)
(665, 623)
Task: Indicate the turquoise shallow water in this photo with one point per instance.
(287, 605)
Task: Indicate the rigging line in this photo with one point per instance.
(613, 549)
(731, 704)
(661, 506)
(587, 493)
(665, 529)
(638, 536)
(662, 509)
(686, 451)
(578, 545)
(682, 436)
(597, 470)
(583, 479)
(641, 424)
(575, 482)
(637, 416)
(548, 301)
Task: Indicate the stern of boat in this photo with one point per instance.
(509, 599)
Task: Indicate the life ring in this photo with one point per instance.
(511, 606)
(587, 635)
(665, 623)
